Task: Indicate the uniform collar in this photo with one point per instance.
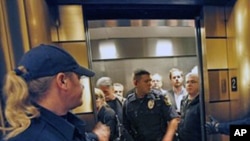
(150, 95)
(65, 127)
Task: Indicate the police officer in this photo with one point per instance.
(40, 93)
(148, 116)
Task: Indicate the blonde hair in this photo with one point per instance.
(99, 94)
(20, 96)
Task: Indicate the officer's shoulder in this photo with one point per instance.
(163, 97)
(157, 93)
(131, 96)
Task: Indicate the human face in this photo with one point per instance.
(75, 90)
(108, 92)
(118, 90)
(176, 79)
(99, 102)
(143, 85)
(192, 85)
(156, 82)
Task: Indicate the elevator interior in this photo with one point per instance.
(142, 16)
(118, 47)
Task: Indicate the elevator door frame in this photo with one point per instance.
(145, 11)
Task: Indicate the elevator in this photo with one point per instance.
(211, 35)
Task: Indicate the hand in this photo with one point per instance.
(212, 126)
(102, 131)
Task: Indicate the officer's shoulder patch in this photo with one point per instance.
(166, 100)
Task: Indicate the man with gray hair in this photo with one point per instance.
(189, 128)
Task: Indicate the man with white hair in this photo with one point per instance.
(189, 128)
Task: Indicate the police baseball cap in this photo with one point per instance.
(47, 60)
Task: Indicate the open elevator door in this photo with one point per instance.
(104, 19)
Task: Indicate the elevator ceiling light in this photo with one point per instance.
(164, 48)
(107, 50)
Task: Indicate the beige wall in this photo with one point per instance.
(239, 32)
(227, 35)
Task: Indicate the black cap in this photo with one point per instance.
(48, 60)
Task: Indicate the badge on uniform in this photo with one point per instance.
(151, 104)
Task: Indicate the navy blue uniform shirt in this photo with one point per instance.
(146, 118)
(50, 127)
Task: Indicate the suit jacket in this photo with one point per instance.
(171, 96)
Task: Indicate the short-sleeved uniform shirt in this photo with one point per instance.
(50, 127)
(146, 118)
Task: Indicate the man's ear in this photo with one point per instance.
(61, 80)
(135, 82)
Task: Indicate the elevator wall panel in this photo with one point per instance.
(70, 24)
(215, 22)
(38, 22)
(216, 54)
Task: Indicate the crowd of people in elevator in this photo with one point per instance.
(150, 113)
(42, 90)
